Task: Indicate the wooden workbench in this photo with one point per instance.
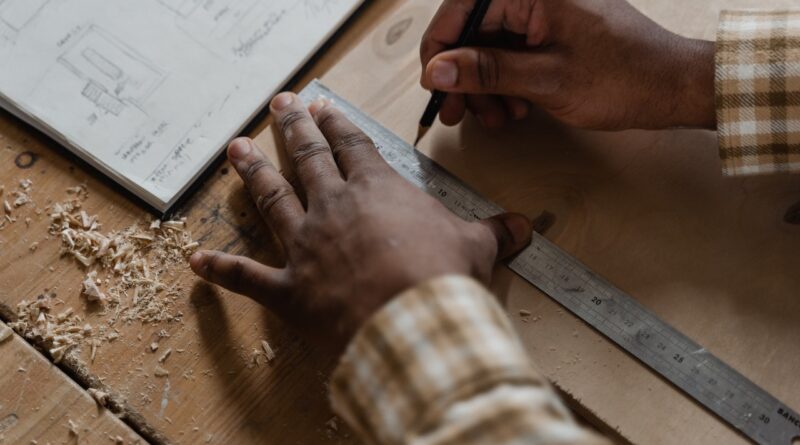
(648, 210)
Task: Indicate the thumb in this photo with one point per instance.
(512, 233)
(486, 71)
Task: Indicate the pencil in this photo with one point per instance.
(471, 28)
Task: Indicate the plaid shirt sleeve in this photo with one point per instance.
(758, 92)
(441, 365)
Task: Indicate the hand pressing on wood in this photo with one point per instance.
(597, 64)
(363, 235)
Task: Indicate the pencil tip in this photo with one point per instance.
(420, 134)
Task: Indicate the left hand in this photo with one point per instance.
(364, 236)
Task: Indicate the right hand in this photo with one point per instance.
(597, 64)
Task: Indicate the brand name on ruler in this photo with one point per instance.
(789, 417)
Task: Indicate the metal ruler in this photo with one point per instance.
(717, 386)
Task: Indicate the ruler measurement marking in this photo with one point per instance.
(622, 319)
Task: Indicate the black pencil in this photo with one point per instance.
(472, 27)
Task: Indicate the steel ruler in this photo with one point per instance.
(717, 386)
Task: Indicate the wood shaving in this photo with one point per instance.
(59, 334)
(333, 424)
(524, 313)
(101, 397)
(5, 333)
(165, 356)
(268, 352)
(132, 260)
(160, 372)
(73, 428)
(129, 264)
(153, 347)
(90, 289)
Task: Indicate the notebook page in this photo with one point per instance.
(149, 91)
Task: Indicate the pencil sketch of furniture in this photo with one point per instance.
(183, 8)
(16, 14)
(116, 75)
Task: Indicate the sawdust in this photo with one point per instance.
(18, 198)
(125, 272)
(133, 260)
(59, 334)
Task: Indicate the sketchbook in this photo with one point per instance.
(149, 92)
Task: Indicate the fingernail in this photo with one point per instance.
(240, 148)
(318, 105)
(195, 260)
(444, 74)
(282, 101)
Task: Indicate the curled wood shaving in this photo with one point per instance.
(268, 352)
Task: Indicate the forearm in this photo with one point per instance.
(442, 365)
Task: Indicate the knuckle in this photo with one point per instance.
(354, 140)
(326, 118)
(290, 119)
(307, 151)
(488, 70)
(266, 203)
(254, 169)
(237, 271)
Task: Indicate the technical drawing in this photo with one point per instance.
(226, 26)
(16, 14)
(183, 8)
(116, 75)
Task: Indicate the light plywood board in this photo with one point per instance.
(648, 210)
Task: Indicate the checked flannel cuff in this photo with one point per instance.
(441, 364)
(758, 91)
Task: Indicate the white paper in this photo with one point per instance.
(150, 91)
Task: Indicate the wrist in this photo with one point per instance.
(694, 97)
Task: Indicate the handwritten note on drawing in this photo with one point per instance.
(150, 91)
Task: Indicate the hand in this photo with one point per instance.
(364, 235)
(597, 64)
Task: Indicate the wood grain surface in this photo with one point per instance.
(715, 257)
(39, 401)
(215, 393)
